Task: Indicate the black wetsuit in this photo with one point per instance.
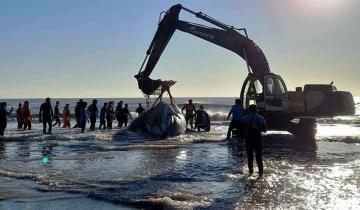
(3, 120)
(202, 120)
(57, 116)
(109, 117)
(118, 115)
(46, 114)
(93, 113)
(77, 115)
(19, 118)
(102, 118)
(255, 124)
(124, 117)
(140, 110)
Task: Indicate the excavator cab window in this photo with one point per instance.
(269, 87)
(275, 93)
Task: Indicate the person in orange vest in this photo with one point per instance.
(26, 115)
(66, 116)
(190, 113)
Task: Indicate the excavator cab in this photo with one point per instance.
(268, 92)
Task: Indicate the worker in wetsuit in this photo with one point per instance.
(110, 114)
(190, 113)
(237, 111)
(83, 116)
(57, 114)
(66, 116)
(93, 112)
(124, 116)
(118, 113)
(254, 124)
(202, 120)
(46, 115)
(77, 113)
(3, 117)
(19, 118)
(26, 116)
(140, 109)
(102, 116)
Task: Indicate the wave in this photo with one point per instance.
(166, 200)
(340, 120)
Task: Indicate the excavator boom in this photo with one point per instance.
(224, 36)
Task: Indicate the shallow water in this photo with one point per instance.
(121, 169)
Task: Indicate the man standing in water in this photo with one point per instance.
(103, 115)
(3, 117)
(236, 111)
(57, 114)
(46, 115)
(93, 113)
(140, 109)
(19, 116)
(190, 113)
(118, 113)
(255, 124)
(110, 115)
(77, 113)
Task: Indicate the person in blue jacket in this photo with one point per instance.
(254, 125)
(237, 111)
(3, 117)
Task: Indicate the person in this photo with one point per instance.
(255, 124)
(83, 116)
(118, 113)
(26, 116)
(110, 114)
(202, 120)
(19, 118)
(93, 113)
(77, 113)
(236, 112)
(190, 113)
(3, 117)
(66, 116)
(57, 114)
(103, 115)
(140, 109)
(124, 116)
(46, 115)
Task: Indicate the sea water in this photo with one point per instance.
(120, 169)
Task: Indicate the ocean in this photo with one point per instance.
(120, 169)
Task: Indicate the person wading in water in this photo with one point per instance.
(46, 115)
(255, 124)
(190, 113)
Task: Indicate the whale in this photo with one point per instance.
(162, 120)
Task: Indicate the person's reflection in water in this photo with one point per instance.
(23, 149)
(2, 150)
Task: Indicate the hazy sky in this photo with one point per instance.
(88, 48)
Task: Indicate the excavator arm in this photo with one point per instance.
(224, 36)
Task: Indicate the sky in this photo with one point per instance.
(88, 48)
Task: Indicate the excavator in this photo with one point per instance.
(293, 111)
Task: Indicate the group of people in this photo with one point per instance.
(83, 114)
(246, 122)
(202, 119)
